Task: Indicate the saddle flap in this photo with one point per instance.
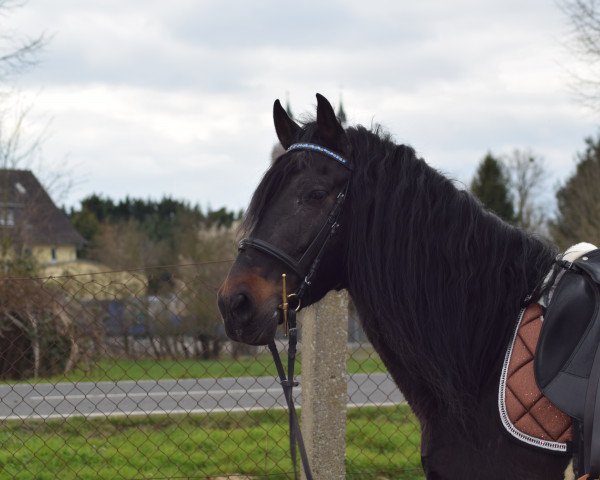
(570, 337)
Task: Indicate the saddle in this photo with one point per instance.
(567, 356)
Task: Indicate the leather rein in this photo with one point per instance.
(306, 268)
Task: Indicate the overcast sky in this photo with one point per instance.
(149, 98)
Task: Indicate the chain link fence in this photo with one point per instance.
(129, 375)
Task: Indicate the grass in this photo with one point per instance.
(361, 361)
(383, 441)
(382, 444)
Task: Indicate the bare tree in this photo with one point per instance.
(528, 178)
(126, 245)
(36, 335)
(578, 200)
(17, 52)
(207, 248)
(584, 17)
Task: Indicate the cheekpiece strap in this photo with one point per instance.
(319, 149)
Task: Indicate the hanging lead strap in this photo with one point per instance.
(288, 387)
(291, 383)
(285, 306)
(288, 383)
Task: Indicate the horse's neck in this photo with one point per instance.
(445, 320)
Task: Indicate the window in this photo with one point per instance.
(20, 188)
(7, 217)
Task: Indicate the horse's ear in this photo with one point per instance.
(330, 130)
(285, 127)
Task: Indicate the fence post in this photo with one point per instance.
(324, 385)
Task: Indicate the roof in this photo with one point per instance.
(341, 114)
(34, 218)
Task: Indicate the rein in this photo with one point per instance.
(306, 268)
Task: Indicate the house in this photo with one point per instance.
(31, 224)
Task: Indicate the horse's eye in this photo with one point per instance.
(317, 195)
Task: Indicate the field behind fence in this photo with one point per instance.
(128, 374)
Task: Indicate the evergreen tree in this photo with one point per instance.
(491, 186)
(161, 222)
(578, 201)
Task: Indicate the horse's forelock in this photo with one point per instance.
(275, 180)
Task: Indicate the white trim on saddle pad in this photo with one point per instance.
(570, 255)
(514, 431)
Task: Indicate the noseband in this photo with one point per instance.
(306, 267)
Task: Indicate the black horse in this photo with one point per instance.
(437, 280)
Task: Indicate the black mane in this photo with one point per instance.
(441, 280)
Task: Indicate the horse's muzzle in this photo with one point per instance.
(249, 313)
(237, 310)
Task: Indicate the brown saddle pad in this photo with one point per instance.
(525, 413)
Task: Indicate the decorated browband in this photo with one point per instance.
(325, 151)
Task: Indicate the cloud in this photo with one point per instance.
(157, 97)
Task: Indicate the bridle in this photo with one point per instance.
(306, 267)
(308, 264)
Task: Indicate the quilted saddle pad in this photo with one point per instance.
(525, 413)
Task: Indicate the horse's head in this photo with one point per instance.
(290, 222)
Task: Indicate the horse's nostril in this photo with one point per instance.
(240, 306)
(238, 302)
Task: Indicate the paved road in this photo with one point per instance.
(149, 397)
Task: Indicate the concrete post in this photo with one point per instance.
(324, 385)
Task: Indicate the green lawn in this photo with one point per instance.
(382, 444)
(360, 361)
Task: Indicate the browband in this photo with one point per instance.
(318, 148)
